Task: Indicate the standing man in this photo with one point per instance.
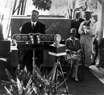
(34, 26)
(86, 38)
(76, 23)
(95, 31)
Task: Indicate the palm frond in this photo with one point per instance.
(9, 76)
(29, 83)
(8, 90)
(34, 84)
(35, 90)
(37, 70)
(20, 86)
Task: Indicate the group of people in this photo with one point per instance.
(84, 39)
(80, 39)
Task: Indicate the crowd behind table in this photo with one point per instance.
(86, 26)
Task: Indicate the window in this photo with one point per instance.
(58, 8)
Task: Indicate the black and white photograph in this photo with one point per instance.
(51, 47)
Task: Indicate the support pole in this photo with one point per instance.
(102, 22)
(101, 30)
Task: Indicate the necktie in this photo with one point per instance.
(33, 26)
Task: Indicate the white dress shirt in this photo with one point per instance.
(33, 24)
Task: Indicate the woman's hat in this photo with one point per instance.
(73, 31)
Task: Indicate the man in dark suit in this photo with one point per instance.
(75, 23)
(34, 26)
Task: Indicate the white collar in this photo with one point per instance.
(33, 23)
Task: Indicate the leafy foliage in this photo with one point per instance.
(33, 84)
(42, 4)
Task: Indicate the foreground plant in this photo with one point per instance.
(33, 84)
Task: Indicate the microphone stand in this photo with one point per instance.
(34, 64)
(33, 58)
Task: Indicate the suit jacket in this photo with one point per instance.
(28, 28)
(38, 28)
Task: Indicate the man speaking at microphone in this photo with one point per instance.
(34, 26)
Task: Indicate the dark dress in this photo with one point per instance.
(75, 24)
(28, 54)
(73, 45)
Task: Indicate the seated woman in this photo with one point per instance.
(73, 50)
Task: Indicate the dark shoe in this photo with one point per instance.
(76, 79)
(73, 76)
(98, 66)
(93, 63)
(86, 66)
